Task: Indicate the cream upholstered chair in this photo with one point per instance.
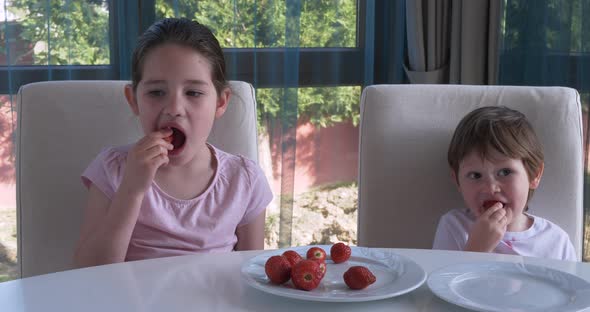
(62, 126)
(404, 177)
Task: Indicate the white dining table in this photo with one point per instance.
(213, 282)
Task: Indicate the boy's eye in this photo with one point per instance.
(155, 93)
(193, 93)
(473, 175)
(504, 172)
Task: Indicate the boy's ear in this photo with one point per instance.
(222, 102)
(454, 178)
(131, 99)
(535, 182)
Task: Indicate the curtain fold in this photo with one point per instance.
(453, 41)
(547, 43)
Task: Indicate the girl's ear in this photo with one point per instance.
(535, 182)
(222, 102)
(131, 99)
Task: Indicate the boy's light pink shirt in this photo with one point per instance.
(168, 226)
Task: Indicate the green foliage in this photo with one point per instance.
(78, 34)
(265, 24)
(554, 25)
(74, 32)
(321, 106)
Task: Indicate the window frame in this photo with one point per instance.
(127, 19)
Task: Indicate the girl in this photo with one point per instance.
(171, 193)
(496, 162)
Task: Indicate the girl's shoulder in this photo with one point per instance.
(230, 164)
(113, 155)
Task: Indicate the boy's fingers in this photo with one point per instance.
(492, 210)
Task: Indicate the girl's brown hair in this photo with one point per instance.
(184, 32)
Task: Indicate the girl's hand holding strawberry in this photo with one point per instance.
(144, 159)
(489, 228)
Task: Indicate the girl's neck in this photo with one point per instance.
(191, 179)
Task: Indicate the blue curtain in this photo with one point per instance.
(547, 43)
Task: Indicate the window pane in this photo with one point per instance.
(78, 32)
(563, 26)
(317, 171)
(8, 267)
(263, 24)
(585, 100)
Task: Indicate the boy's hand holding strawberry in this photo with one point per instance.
(489, 228)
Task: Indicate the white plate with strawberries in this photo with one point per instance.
(382, 274)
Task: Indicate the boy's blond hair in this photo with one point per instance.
(500, 128)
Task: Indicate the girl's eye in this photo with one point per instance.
(193, 93)
(504, 172)
(474, 175)
(156, 93)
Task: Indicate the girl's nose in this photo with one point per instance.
(175, 106)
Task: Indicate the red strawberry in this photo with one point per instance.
(340, 252)
(316, 253)
(306, 275)
(489, 203)
(323, 267)
(292, 256)
(278, 269)
(358, 277)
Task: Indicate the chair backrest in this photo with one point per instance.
(404, 177)
(62, 126)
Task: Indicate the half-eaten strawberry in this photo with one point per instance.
(489, 203)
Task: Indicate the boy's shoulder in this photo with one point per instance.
(544, 225)
(457, 213)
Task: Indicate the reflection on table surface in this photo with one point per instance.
(213, 282)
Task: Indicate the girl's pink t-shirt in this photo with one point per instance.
(168, 226)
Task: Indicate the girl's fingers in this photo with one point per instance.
(152, 140)
(155, 151)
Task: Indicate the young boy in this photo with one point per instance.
(496, 162)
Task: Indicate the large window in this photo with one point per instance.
(305, 59)
(308, 61)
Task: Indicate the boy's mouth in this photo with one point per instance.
(489, 203)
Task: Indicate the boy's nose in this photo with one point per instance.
(492, 186)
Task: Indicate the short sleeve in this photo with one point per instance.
(105, 172)
(444, 238)
(260, 194)
(570, 252)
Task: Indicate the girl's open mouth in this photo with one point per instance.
(178, 140)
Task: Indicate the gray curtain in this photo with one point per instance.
(453, 41)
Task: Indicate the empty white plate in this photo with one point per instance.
(510, 287)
